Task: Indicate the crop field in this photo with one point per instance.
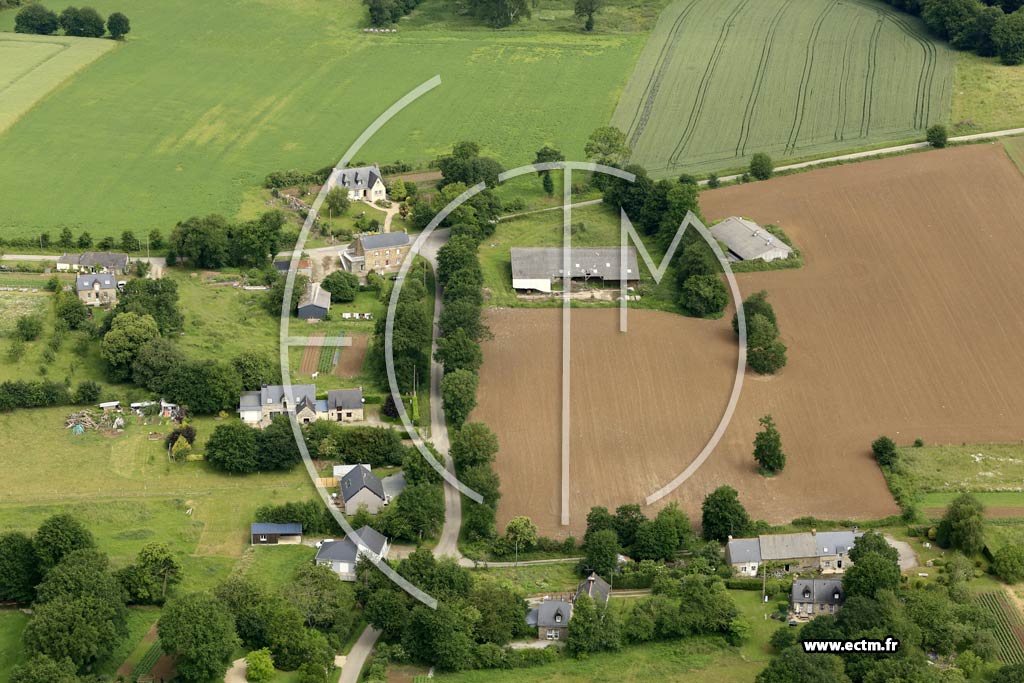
(182, 121)
(32, 66)
(719, 81)
(938, 362)
(1009, 629)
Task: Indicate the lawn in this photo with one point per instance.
(12, 624)
(274, 565)
(719, 81)
(32, 66)
(205, 99)
(987, 95)
(537, 579)
(688, 661)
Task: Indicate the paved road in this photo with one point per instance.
(357, 656)
(885, 150)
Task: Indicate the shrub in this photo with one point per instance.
(761, 166)
(937, 136)
(713, 181)
(87, 393)
(28, 328)
(884, 450)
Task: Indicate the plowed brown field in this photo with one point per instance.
(906, 320)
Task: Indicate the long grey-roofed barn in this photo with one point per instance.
(537, 267)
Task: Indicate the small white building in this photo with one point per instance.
(747, 240)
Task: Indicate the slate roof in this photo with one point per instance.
(358, 177)
(548, 610)
(345, 550)
(597, 588)
(273, 394)
(542, 263)
(91, 259)
(287, 529)
(358, 478)
(747, 239)
(84, 283)
(345, 399)
(835, 542)
(743, 550)
(384, 240)
(827, 591)
(787, 546)
(316, 296)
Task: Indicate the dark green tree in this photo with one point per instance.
(704, 295)
(458, 392)
(963, 526)
(204, 387)
(342, 285)
(768, 447)
(1008, 563)
(19, 568)
(761, 166)
(473, 444)
(884, 450)
(255, 369)
(870, 574)
(873, 542)
(155, 360)
(601, 552)
(58, 536)
(33, 18)
(42, 669)
(607, 145)
(85, 22)
(793, 665)
(232, 448)
(1008, 36)
(199, 631)
(585, 10)
(722, 515)
(937, 135)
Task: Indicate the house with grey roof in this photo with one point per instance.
(826, 552)
(96, 289)
(93, 262)
(380, 252)
(594, 587)
(537, 268)
(812, 597)
(341, 556)
(551, 619)
(345, 405)
(258, 408)
(747, 241)
(268, 533)
(315, 302)
(359, 487)
(364, 183)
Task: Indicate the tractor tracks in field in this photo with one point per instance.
(844, 85)
(705, 83)
(762, 69)
(805, 79)
(643, 112)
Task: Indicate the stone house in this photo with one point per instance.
(99, 289)
(811, 597)
(381, 252)
(826, 552)
(93, 262)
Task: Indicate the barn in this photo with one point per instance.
(747, 241)
(315, 302)
(537, 268)
(266, 533)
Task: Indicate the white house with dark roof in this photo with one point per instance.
(380, 252)
(825, 551)
(258, 408)
(359, 487)
(341, 556)
(93, 262)
(811, 597)
(536, 268)
(96, 289)
(362, 182)
(747, 241)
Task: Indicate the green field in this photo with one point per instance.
(970, 467)
(12, 624)
(1009, 627)
(32, 66)
(205, 99)
(721, 80)
(987, 95)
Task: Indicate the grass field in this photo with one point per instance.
(719, 81)
(537, 579)
(987, 95)
(970, 467)
(12, 624)
(32, 66)
(688, 661)
(204, 100)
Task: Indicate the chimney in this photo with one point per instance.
(730, 538)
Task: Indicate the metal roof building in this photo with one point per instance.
(536, 267)
(747, 240)
(315, 302)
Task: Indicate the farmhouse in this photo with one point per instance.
(552, 616)
(314, 303)
(363, 183)
(381, 252)
(826, 552)
(341, 556)
(258, 408)
(747, 241)
(360, 487)
(537, 267)
(265, 533)
(93, 262)
(98, 289)
(344, 405)
(811, 597)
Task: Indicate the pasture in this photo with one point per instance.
(938, 361)
(204, 100)
(32, 66)
(719, 81)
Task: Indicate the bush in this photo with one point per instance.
(28, 328)
(704, 295)
(761, 166)
(884, 450)
(36, 19)
(713, 181)
(29, 394)
(88, 392)
(937, 136)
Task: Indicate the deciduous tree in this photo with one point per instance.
(199, 631)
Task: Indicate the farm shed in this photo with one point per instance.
(747, 240)
(266, 533)
(315, 302)
(537, 267)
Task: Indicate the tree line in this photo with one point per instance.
(84, 22)
(990, 28)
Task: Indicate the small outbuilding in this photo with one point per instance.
(315, 302)
(747, 241)
(267, 533)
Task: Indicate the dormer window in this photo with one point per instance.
(807, 593)
(558, 618)
(835, 596)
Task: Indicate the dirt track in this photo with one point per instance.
(904, 321)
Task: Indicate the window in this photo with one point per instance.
(552, 634)
(349, 414)
(263, 539)
(828, 563)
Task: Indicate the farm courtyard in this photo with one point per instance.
(903, 321)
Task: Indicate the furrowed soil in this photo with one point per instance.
(904, 321)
